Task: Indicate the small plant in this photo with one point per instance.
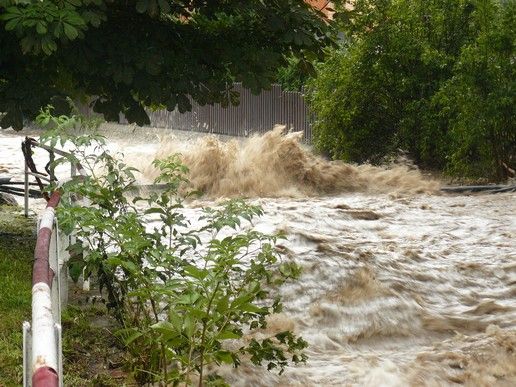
(181, 290)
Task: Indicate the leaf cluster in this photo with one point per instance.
(187, 294)
(120, 57)
(434, 78)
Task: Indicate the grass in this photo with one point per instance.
(14, 224)
(15, 304)
(92, 356)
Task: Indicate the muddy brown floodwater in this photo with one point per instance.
(401, 285)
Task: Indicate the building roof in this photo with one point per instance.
(325, 6)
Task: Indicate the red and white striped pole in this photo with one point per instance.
(44, 350)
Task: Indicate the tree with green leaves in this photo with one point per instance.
(123, 56)
(434, 78)
(479, 101)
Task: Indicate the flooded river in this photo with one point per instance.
(401, 285)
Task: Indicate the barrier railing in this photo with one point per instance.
(254, 114)
(42, 348)
(42, 338)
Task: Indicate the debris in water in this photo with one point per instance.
(363, 215)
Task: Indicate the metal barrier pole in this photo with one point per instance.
(45, 358)
(59, 345)
(42, 340)
(73, 170)
(27, 354)
(26, 199)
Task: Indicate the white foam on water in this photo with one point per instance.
(399, 286)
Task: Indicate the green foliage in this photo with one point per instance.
(180, 290)
(60, 129)
(16, 254)
(295, 74)
(123, 56)
(42, 25)
(480, 98)
(431, 77)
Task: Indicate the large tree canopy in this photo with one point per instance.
(435, 78)
(125, 55)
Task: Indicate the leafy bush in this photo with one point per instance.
(295, 74)
(479, 100)
(180, 290)
(433, 78)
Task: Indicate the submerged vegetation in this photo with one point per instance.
(186, 298)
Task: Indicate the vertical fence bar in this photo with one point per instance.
(59, 345)
(56, 280)
(26, 195)
(27, 354)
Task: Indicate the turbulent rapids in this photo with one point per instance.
(276, 164)
(400, 286)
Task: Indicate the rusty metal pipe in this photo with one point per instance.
(44, 350)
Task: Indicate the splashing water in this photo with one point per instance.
(396, 290)
(276, 164)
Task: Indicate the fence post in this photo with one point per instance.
(56, 280)
(27, 354)
(63, 241)
(26, 185)
(59, 345)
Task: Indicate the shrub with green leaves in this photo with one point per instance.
(435, 78)
(479, 100)
(181, 290)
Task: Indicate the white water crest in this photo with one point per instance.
(401, 286)
(276, 164)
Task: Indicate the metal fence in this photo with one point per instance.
(42, 349)
(255, 114)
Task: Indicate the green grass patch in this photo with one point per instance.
(15, 304)
(92, 355)
(13, 223)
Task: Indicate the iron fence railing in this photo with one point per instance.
(42, 356)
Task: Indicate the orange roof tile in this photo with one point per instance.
(325, 6)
